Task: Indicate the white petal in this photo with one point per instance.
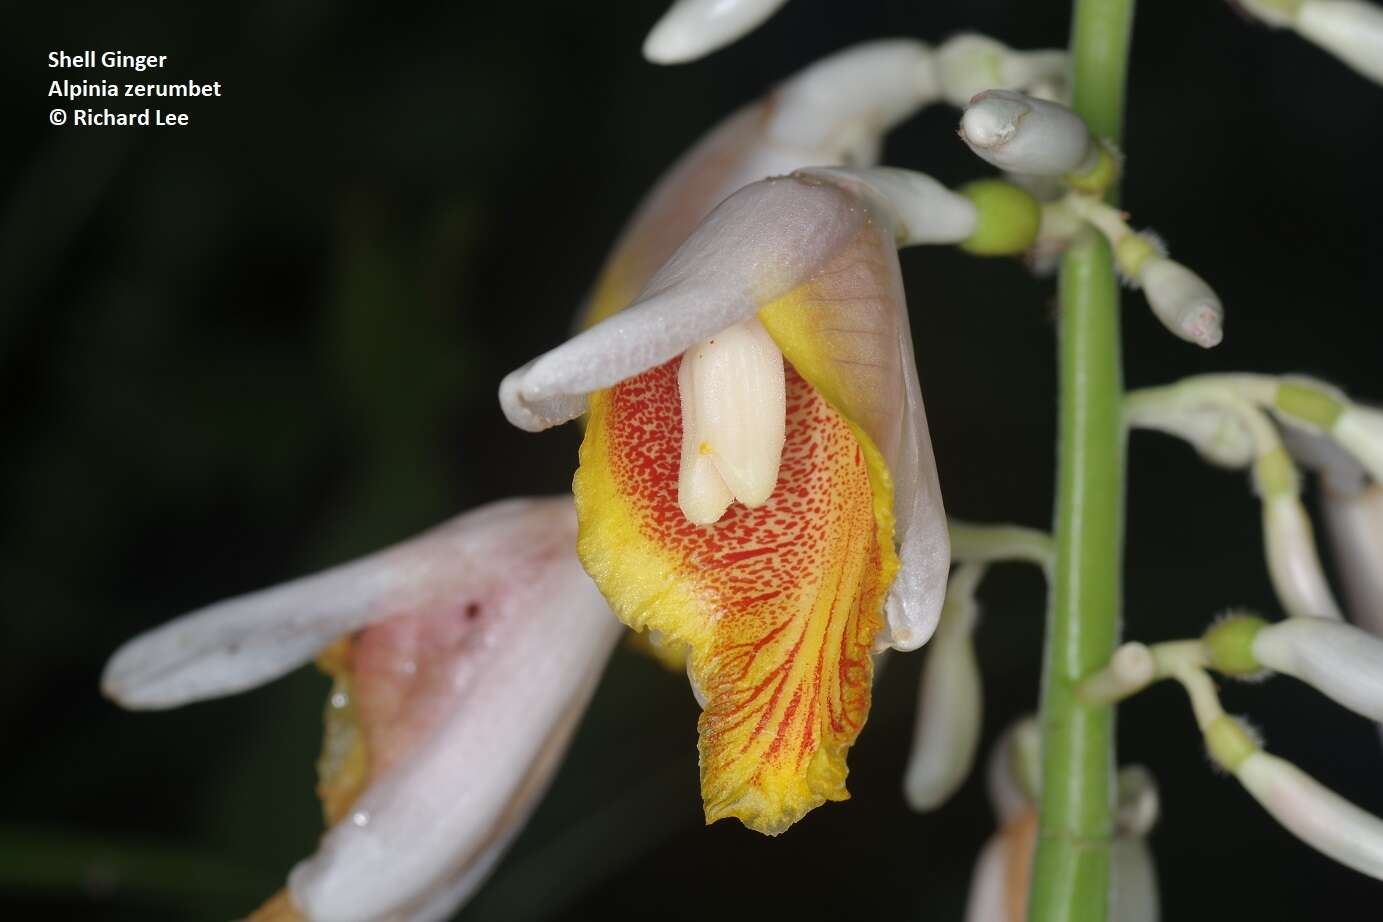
(867, 88)
(1355, 524)
(420, 829)
(988, 900)
(1011, 776)
(1340, 660)
(246, 641)
(969, 64)
(1360, 430)
(949, 705)
(1315, 814)
(1026, 135)
(758, 244)
(1293, 564)
(694, 28)
(1341, 474)
(1350, 30)
(921, 210)
(1134, 881)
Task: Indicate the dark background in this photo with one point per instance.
(270, 341)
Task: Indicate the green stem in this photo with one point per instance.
(1071, 868)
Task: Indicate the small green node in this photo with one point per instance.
(1229, 742)
(1132, 251)
(1310, 404)
(1099, 177)
(1275, 474)
(1229, 643)
(1007, 218)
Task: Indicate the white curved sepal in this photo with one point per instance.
(921, 210)
(1355, 525)
(1360, 430)
(247, 641)
(1349, 29)
(420, 833)
(1339, 660)
(692, 29)
(969, 63)
(1340, 472)
(755, 246)
(1314, 813)
(1023, 134)
(859, 93)
(950, 701)
(1293, 564)
(1182, 301)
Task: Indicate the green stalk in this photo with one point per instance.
(1072, 866)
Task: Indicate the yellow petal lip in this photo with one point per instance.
(778, 604)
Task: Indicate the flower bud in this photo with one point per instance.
(1012, 775)
(949, 704)
(1339, 660)
(1182, 300)
(694, 28)
(1313, 813)
(1026, 135)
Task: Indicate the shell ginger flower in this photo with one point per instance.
(462, 661)
(757, 482)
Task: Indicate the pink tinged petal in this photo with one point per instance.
(246, 641)
(1338, 659)
(758, 244)
(988, 900)
(1355, 524)
(485, 732)
(691, 29)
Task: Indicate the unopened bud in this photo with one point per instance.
(1360, 430)
(1182, 300)
(1023, 134)
(1355, 524)
(1348, 29)
(1293, 564)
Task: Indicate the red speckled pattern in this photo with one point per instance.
(790, 596)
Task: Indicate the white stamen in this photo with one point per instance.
(734, 408)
